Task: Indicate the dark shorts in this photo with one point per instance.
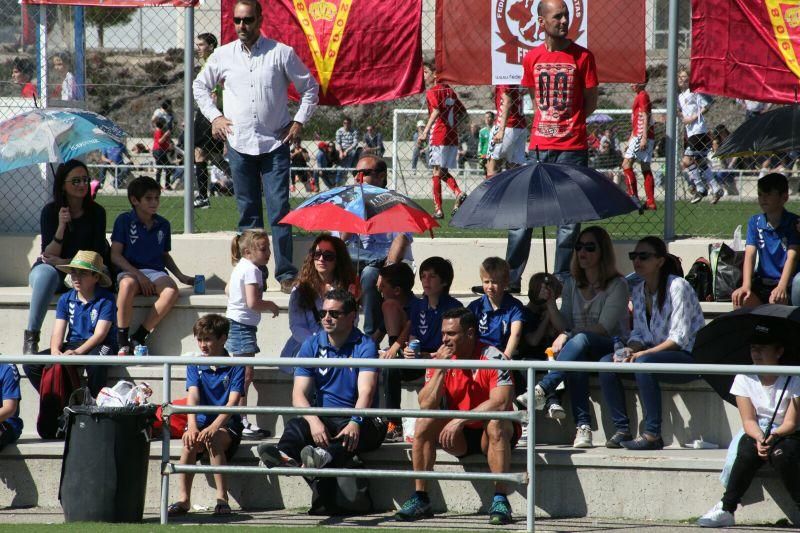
(763, 288)
(234, 428)
(8, 435)
(473, 437)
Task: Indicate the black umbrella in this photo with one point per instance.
(542, 194)
(767, 133)
(726, 340)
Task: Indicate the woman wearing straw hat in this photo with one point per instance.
(85, 318)
(71, 222)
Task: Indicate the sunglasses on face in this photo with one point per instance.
(244, 20)
(78, 181)
(367, 171)
(588, 246)
(333, 313)
(641, 256)
(325, 255)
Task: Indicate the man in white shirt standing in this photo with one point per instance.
(256, 72)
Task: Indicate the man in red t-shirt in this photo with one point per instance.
(445, 111)
(640, 146)
(463, 390)
(508, 134)
(562, 78)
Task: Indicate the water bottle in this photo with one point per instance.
(199, 284)
(141, 349)
(414, 344)
(619, 350)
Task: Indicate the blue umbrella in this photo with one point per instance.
(54, 136)
(542, 194)
(599, 118)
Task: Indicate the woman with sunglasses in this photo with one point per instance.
(594, 310)
(71, 222)
(327, 266)
(666, 318)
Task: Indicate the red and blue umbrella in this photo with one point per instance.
(363, 209)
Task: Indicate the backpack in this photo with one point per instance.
(701, 278)
(177, 422)
(58, 382)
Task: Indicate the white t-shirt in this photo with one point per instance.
(244, 273)
(765, 398)
(691, 104)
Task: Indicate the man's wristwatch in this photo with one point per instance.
(357, 419)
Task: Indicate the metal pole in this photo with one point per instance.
(530, 458)
(394, 182)
(41, 56)
(79, 64)
(188, 121)
(165, 436)
(672, 123)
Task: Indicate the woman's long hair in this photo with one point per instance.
(59, 198)
(671, 266)
(608, 262)
(310, 285)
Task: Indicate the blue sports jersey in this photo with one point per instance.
(494, 325)
(9, 390)
(337, 387)
(214, 386)
(82, 317)
(426, 321)
(142, 247)
(771, 243)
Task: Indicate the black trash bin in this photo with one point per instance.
(104, 470)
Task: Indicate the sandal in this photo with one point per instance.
(177, 509)
(222, 509)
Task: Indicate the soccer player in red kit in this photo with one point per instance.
(640, 146)
(508, 134)
(444, 112)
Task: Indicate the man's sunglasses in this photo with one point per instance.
(588, 246)
(325, 255)
(367, 171)
(641, 256)
(244, 20)
(334, 313)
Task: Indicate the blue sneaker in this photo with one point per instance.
(414, 509)
(500, 512)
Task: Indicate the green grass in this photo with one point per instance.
(701, 220)
(93, 527)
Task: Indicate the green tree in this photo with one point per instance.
(103, 17)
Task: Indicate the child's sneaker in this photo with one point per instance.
(252, 431)
(555, 412)
(272, 456)
(313, 457)
(716, 517)
(583, 437)
(523, 439)
(394, 433)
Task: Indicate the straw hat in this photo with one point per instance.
(91, 261)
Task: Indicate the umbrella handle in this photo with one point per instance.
(544, 246)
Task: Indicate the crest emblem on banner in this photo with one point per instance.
(519, 29)
(784, 15)
(314, 17)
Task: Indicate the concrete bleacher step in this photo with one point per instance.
(671, 484)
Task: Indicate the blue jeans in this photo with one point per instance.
(269, 171)
(371, 298)
(44, 281)
(327, 176)
(649, 389)
(348, 161)
(519, 240)
(581, 347)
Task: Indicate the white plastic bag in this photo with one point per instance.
(408, 428)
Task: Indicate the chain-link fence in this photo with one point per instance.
(127, 64)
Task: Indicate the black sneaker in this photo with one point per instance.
(271, 456)
(201, 203)
(698, 197)
(618, 438)
(643, 443)
(459, 201)
(414, 508)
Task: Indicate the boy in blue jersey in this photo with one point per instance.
(140, 245)
(218, 435)
(10, 422)
(773, 240)
(396, 284)
(318, 441)
(84, 319)
(500, 315)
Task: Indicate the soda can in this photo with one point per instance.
(415, 346)
(140, 350)
(200, 284)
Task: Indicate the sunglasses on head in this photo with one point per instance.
(79, 181)
(334, 313)
(325, 255)
(244, 20)
(588, 246)
(641, 256)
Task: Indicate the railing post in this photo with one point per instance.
(530, 460)
(165, 436)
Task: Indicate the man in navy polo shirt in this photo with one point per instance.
(318, 441)
(772, 240)
(10, 422)
(140, 245)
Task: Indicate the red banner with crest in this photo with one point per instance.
(746, 49)
(360, 51)
(116, 3)
(480, 42)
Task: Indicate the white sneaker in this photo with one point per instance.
(313, 457)
(583, 437)
(716, 517)
(523, 439)
(556, 412)
(252, 431)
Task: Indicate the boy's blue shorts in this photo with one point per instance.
(8, 435)
(241, 339)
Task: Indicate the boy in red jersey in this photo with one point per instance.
(445, 111)
(640, 145)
